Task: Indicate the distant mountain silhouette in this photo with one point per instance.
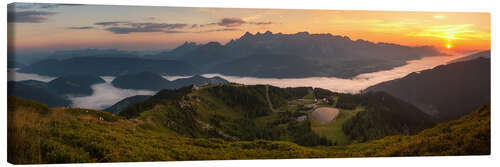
(11, 63)
(36, 90)
(322, 54)
(142, 80)
(55, 92)
(447, 91)
(155, 82)
(484, 54)
(78, 85)
(108, 66)
(67, 54)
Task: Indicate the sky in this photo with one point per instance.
(51, 27)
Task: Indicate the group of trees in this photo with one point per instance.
(384, 115)
(251, 99)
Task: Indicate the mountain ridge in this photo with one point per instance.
(329, 55)
(446, 91)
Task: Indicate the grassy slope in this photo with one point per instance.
(37, 134)
(469, 135)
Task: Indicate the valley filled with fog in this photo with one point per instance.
(105, 94)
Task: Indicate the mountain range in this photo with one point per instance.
(108, 66)
(321, 54)
(37, 91)
(261, 55)
(55, 92)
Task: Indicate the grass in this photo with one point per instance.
(37, 134)
(61, 136)
(333, 130)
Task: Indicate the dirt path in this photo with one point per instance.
(269, 99)
(325, 115)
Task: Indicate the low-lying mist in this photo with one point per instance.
(14, 75)
(106, 94)
(354, 85)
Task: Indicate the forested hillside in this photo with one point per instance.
(446, 92)
(38, 134)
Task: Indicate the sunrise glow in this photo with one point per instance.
(56, 28)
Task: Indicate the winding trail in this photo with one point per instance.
(269, 99)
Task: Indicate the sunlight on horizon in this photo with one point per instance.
(101, 26)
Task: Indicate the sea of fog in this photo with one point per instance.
(105, 94)
(354, 85)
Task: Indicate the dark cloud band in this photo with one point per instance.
(80, 28)
(28, 16)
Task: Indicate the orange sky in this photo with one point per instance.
(68, 27)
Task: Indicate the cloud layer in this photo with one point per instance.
(30, 16)
(354, 85)
(38, 5)
(106, 94)
(127, 27)
(122, 27)
(231, 22)
(81, 28)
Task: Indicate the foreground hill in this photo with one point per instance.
(108, 66)
(447, 91)
(272, 54)
(271, 113)
(38, 134)
(215, 110)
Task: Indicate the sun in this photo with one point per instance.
(448, 46)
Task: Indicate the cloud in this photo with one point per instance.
(109, 23)
(127, 30)
(235, 22)
(231, 22)
(105, 95)
(157, 25)
(173, 32)
(262, 23)
(120, 27)
(453, 32)
(221, 29)
(126, 27)
(38, 5)
(14, 75)
(354, 85)
(80, 28)
(28, 16)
